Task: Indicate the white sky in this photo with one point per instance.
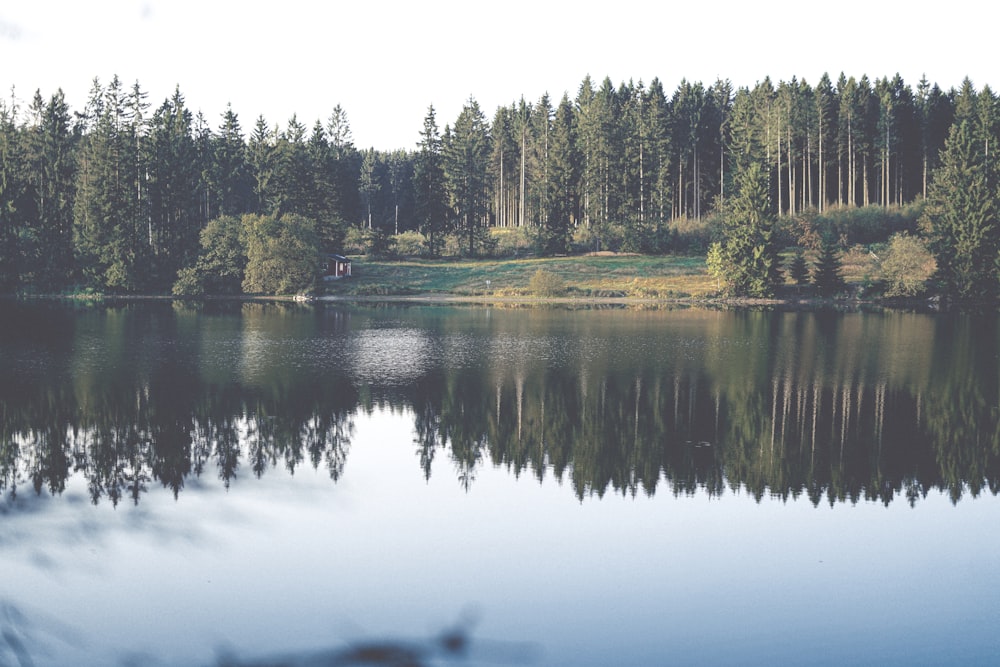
(386, 62)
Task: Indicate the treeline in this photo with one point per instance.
(115, 197)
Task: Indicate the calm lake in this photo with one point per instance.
(323, 484)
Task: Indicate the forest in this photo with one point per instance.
(126, 196)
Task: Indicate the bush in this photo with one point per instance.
(512, 241)
(355, 241)
(410, 244)
(546, 283)
(906, 266)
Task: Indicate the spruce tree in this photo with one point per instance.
(747, 259)
(962, 211)
(466, 162)
(798, 269)
(827, 274)
(430, 203)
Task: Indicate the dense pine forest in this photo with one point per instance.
(127, 196)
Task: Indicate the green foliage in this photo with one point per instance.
(282, 254)
(907, 265)
(546, 283)
(746, 261)
(694, 235)
(221, 265)
(798, 269)
(409, 244)
(827, 275)
(430, 198)
(848, 225)
(380, 244)
(962, 214)
(466, 152)
(512, 241)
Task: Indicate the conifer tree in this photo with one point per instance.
(466, 153)
(747, 259)
(430, 198)
(827, 274)
(798, 269)
(554, 233)
(962, 212)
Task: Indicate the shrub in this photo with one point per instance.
(512, 241)
(410, 244)
(906, 266)
(546, 283)
(355, 241)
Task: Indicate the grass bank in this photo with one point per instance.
(590, 276)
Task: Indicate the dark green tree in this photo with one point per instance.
(111, 217)
(798, 269)
(746, 260)
(430, 196)
(47, 249)
(962, 214)
(466, 153)
(172, 178)
(13, 197)
(827, 274)
(231, 174)
(554, 233)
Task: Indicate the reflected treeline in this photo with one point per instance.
(822, 405)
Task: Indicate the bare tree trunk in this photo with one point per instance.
(520, 219)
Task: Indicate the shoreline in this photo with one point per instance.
(441, 298)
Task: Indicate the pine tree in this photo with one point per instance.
(50, 174)
(13, 192)
(827, 274)
(173, 177)
(466, 153)
(430, 198)
(554, 233)
(747, 259)
(231, 175)
(798, 269)
(962, 211)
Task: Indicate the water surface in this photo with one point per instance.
(239, 483)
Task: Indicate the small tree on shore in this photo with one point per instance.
(798, 269)
(827, 275)
(907, 266)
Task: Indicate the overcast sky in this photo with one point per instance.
(386, 62)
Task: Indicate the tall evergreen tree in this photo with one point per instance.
(231, 174)
(51, 169)
(963, 214)
(13, 191)
(747, 259)
(466, 153)
(561, 205)
(173, 180)
(430, 196)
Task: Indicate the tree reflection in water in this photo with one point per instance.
(820, 405)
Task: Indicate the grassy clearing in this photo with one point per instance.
(584, 276)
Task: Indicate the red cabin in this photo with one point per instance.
(337, 267)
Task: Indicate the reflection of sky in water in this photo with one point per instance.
(390, 356)
(285, 564)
